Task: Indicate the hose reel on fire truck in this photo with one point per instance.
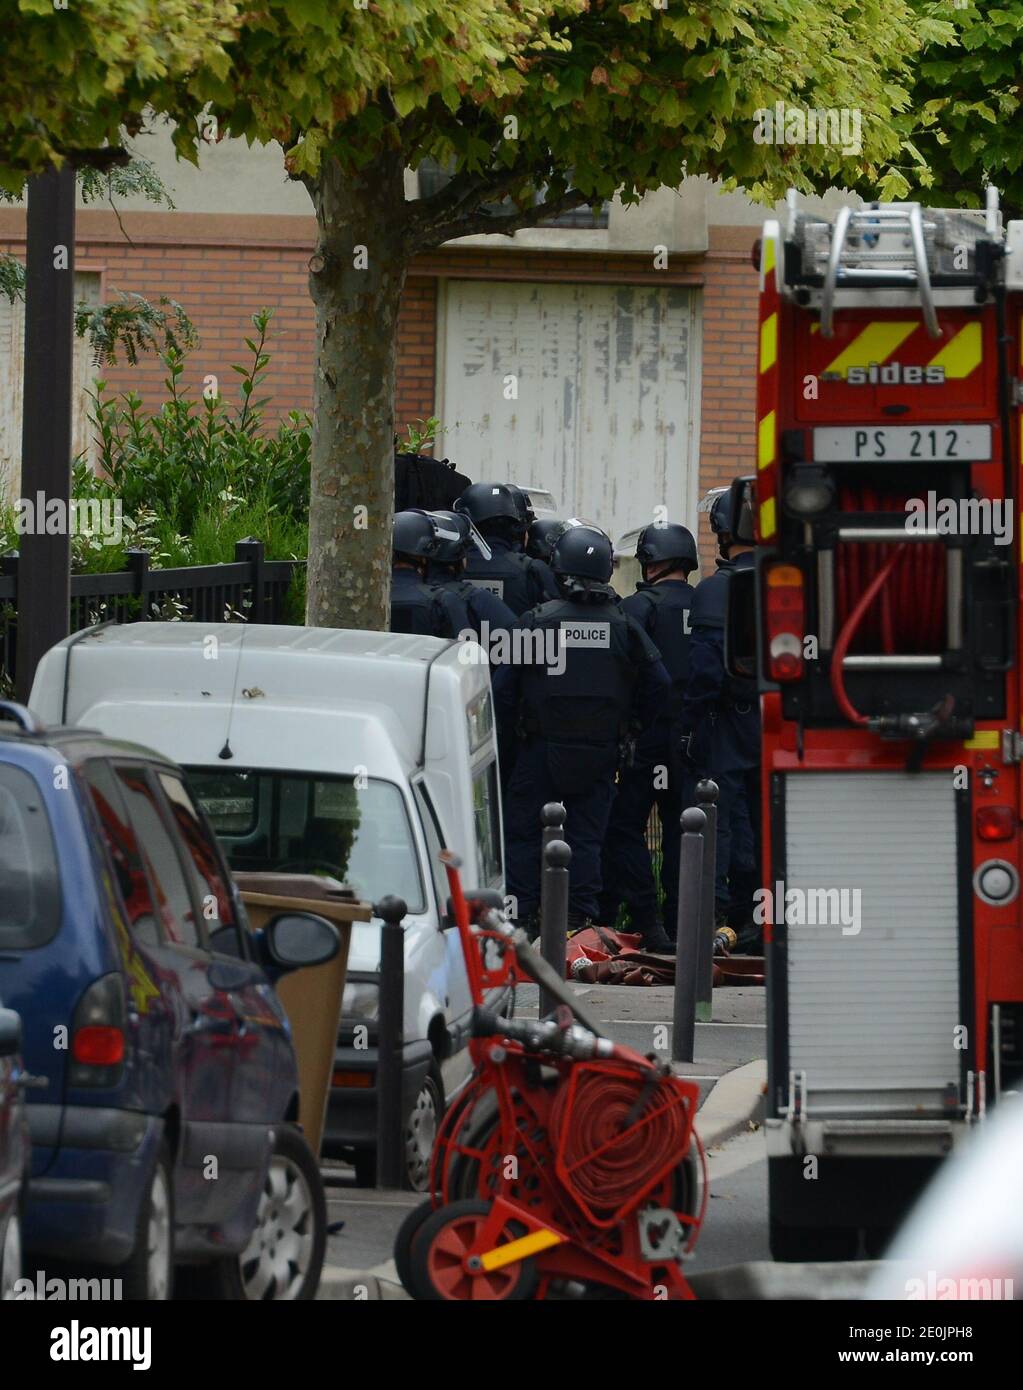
(881, 390)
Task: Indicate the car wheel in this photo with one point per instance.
(10, 1257)
(421, 1131)
(285, 1253)
(148, 1273)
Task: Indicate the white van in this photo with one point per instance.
(358, 754)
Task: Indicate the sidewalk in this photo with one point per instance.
(728, 1067)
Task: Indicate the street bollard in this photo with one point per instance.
(390, 1027)
(687, 940)
(552, 818)
(706, 800)
(557, 857)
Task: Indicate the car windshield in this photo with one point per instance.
(355, 829)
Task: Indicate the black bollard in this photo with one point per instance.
(557, 857)
(687, 941)
(552, 818)
(706, 799)
(390, 1027)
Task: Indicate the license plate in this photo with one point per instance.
(902, 443)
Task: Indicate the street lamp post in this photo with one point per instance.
(44, 564)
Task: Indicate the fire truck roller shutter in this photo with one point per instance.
(874, 998)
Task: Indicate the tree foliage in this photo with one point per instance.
(581, 98)
(966, 107)
(75, 73)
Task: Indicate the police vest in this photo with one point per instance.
(664, 612)
(587, 704)
(517, 579)
(428, 610)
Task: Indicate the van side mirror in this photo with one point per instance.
(741, 624)
(740, 510)
(294, 940)
(10, 1033)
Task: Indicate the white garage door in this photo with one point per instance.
(591, 391)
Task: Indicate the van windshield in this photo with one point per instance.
(355, 829)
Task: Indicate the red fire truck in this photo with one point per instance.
(887, 647)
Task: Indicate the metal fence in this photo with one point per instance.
(250, 589)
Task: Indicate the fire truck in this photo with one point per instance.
(886, 646)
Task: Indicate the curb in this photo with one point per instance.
(736, 1101)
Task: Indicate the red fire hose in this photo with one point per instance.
(848, 631)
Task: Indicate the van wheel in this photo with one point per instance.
(10, 1257)
(421, 1131)
(285, 1253)
(148, 1273)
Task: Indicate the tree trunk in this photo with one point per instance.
(356, 277)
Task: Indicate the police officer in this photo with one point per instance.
(540, 537)
(445, 569)
(417, 606)
(721, 723)
(594, 674)
(516, 578)
(667, 554)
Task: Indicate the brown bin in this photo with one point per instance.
(312, 996)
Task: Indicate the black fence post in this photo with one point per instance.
(254, 552)
(136, 562)
(552, 818)
(9, 621)
(687, 943)
(557, 856)
(390, 1028)
(707, 797)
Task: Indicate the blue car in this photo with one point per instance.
(163, 1109)
(13, 1153)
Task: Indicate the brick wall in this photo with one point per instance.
(222, 269)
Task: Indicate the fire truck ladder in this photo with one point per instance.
(899, 246)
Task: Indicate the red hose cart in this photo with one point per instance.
(569, 1165)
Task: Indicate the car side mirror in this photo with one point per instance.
(741, 624)
(10, 1033)
(295, 940)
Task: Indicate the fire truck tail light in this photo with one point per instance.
(995, 823)
(784, 613)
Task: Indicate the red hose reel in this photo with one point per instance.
(891, 598)
(568, 1161)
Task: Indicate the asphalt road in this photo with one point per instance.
(735, 1228)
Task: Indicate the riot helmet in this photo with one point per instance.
(583, 553)
(542, 535)
(667, 542)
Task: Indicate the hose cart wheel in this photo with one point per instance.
(408, 1233)
(438, 1254)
